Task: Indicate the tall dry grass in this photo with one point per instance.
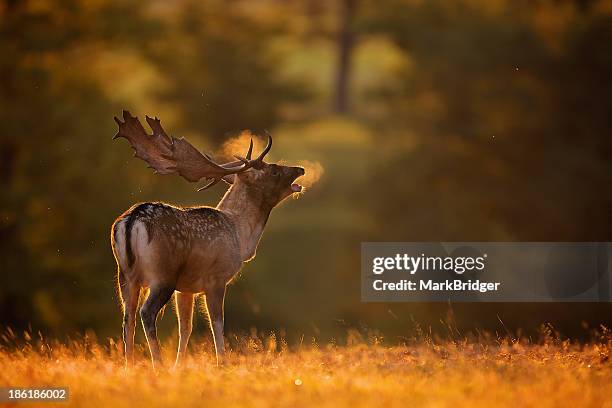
(264, 371)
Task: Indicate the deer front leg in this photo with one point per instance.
(184, 313)
(158, 297)
(214, 305)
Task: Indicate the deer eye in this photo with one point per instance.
(274, 172)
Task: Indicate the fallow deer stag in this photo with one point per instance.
(195, 250)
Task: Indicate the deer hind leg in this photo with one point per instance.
(184, 313)
(129, 298)
(214, 306)
(157, 299)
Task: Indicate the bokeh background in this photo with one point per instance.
(466, 120)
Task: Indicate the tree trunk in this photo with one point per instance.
(345, 42)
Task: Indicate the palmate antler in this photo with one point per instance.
(169, 155)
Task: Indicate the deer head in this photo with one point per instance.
(269, 183)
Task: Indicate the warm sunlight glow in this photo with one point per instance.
(314, 172)
(492, 371)
(240, 144)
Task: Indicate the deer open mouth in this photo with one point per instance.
(296, 188)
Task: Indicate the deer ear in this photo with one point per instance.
(229, 179)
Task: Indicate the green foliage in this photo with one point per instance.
(221, 71)
(500, 115)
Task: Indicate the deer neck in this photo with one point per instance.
(247, 208)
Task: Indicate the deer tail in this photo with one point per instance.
(128, 239)
(121, 243)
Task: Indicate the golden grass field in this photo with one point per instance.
(263, 371)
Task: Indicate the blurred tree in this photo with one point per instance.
(511, 131)
(491, 123)
(56, 106)
(55, 200)
(345, 43)
(222, 71)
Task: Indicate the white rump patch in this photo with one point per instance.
(140, 240)
(144, 253)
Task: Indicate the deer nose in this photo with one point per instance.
(300, 171)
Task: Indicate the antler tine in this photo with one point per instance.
(212, 183)
(248, 155)
(247, 162)
(240, 160)
(266, 150)
(253, 163)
